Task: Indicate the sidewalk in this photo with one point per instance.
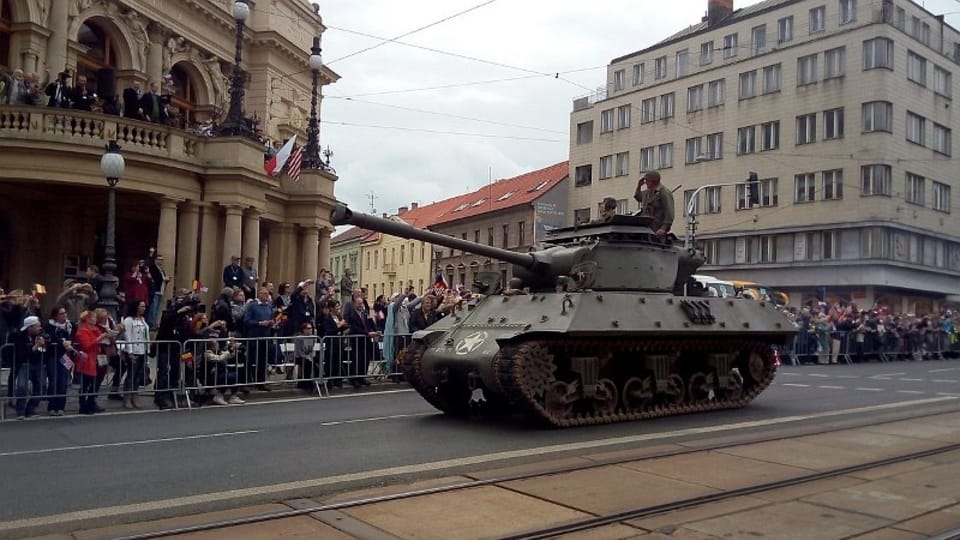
(907, 500)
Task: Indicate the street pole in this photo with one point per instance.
(235, 125)
(112, 166)
(311, 158)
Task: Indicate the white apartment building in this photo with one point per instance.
(844, 109)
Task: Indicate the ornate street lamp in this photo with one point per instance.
(235, 124)
(112, 166)
(311, 157)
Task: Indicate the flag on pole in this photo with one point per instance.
(293, 166)
(275, 164)
(439, 286)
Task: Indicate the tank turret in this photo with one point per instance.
(622, 254)
(621, 339)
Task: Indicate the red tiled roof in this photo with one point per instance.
(353, 233)
(501, 194)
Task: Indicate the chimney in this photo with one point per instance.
(414, 206)
(402, 210)
(718, 10)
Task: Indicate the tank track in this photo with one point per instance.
(412, 371)
(520, 370)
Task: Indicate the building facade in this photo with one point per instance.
(391, 263)
(197, 199)
(512, 214)
(345, 253)
(844, 110)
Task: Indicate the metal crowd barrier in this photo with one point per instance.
(885, 346)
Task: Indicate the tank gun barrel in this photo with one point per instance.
(341, 215)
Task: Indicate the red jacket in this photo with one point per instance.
(137, 289)
(88, 337)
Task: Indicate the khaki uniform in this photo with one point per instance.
(658, 204)
(606, 216)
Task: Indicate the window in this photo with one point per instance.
(916, 128)
(900, 18)
(941, 197)
(521, 226)
(710, 251)
(712, 200)
(746, 143)
(583, 175)
(585, 132)
(771, 79)
(806, 69)
(942, 142)
(715, 146)
(915, 26)
(833, 124)
(770, 135)
(606, 167)
(666, 106)
(925, 34)
(941, 81)
(490, 236)
(692, 150)
(648, 109)
(806, 128)
(706, 53)
(848, 11)
(623, 164)
(878, 53)
(832, 185)
(368, 260)
(619, 80)
(637, 74)
(916, 68)
(695, 98)
(761, 249)
(784, 29)
(829, 247)
(581, 216)
(683, 63)
(878, 116)
(506, 232)
(758, 40)
(748, 84)
(805, 189)
(818, 19)
(834, 63)
(914, 189)
(875, 180)
(606, 121)
(730, 46)
(768, 194)
(666, 155)
(875, 243)
(646, 158)
(623, 116)
(660, 68)
(715, 91)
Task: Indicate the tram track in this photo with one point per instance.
(599, 521)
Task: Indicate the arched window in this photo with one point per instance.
(184, 96)
(6, 22)
(99, 52)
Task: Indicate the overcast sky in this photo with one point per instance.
(534, 37)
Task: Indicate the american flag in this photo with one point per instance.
(293, 166)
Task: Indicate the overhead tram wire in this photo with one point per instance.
(415, 30)
(443, 132)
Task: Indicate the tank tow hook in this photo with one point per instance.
(476, 388)
(567, 299)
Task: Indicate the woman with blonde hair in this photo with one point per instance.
(89, 340)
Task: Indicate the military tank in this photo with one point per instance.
(603, 324)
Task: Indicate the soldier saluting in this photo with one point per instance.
(655, 202)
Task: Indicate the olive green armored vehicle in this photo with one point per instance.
(602, 325)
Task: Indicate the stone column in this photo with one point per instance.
(232, 232)
(251, 236)
(323, 250)
(167, 237)
(310, 252)
(264, 257)
(29, 63)
(186, 252)
(57, 42)
(154, 65)
(210, 244)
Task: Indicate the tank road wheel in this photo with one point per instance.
(734, 385)
(606, 398)
(675, 390)
(756, 366)
(639, 392)
(702, 387)
(560, 397)
(539, 370)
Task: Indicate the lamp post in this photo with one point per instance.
(112, 166)
(311, 157)
(235, 125)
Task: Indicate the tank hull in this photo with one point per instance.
(597, 357)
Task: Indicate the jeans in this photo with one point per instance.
(28, 375)
(88, 394)
(168, 373)
(135, 373)
(153, 316)
(58, 380)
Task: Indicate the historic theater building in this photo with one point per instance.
(198, 198)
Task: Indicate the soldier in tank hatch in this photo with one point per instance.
(655, 202)
(608, 209)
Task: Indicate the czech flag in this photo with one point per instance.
(276, 163)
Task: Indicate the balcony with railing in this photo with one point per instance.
(587, 101)
(389, 268)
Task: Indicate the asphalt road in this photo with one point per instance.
(52, 466)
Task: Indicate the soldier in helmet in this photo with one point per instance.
(655, 202)
(608, 209)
